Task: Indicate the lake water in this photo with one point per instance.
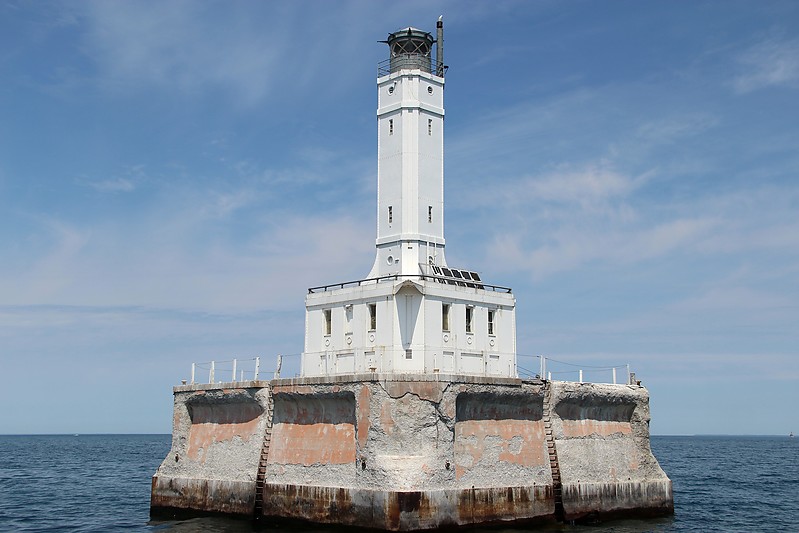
(102, 483)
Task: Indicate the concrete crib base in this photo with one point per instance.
(412, 452)
(408, 510)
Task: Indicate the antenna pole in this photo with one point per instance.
(440, 47)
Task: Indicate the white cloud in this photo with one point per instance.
(576, 246)
(181, 255)
(673, 128)
(768, 64)
(184, 46)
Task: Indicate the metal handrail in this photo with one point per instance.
(396, 277)
(413, 61)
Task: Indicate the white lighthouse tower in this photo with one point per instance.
(413, 313)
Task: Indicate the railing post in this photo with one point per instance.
(279, 365)
(211, 373)
(192, 373)
(581, 375)
(234, 370)
(614, 375)
(628, 375)
(257, 367)
(549, 377)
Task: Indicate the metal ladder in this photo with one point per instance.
(261, 476)
(557, 486)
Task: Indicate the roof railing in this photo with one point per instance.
(410, 62)
(396, 277)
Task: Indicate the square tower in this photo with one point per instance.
(413, 313)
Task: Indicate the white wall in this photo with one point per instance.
(409, 317)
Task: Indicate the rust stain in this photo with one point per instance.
(520, 442)
(604, 428)
(212, 423)
(308, 444)
(203, 436)
(386, 419)
(364, 409)
(406, 510)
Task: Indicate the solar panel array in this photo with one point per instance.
(462, 278)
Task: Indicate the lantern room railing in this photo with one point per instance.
(410, 62)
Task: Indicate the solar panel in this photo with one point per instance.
(447, 272)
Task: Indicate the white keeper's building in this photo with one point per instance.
(413, 313)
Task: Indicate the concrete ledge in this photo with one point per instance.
(409, 510)
(251, 384)
(355, 378)
(207, 495)
(637, 498)
(377, 376)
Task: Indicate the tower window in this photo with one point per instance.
(372, 317)
(429, 213)
(469, 314)
(490, 322)
(348, 311)
(328, 321)
(445, 317)
(391, 126)
(429, 126)
(408, 354)
(390, 214)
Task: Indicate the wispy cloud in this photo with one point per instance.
(769, 63)
(113, 185)
(180, 45)
(182, 254)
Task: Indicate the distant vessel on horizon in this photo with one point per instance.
(791, 435)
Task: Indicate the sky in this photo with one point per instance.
(174, 176)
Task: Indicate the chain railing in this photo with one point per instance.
(556, 370)
(239, 370)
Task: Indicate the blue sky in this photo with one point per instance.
(175, 175)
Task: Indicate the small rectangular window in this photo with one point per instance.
(391, 126)
(348, 311)
(429, 213)
(328, 321)
(429, 126)
(490, 322)
(372, 317)
(469, 314)
(408, 354)
(390, 214)
(445, 317)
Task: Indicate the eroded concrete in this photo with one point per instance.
(412, 452)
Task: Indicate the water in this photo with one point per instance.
(102, 483)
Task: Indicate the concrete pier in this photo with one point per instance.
(409, 452)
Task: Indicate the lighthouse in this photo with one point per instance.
(413, 313)
(409, 414)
